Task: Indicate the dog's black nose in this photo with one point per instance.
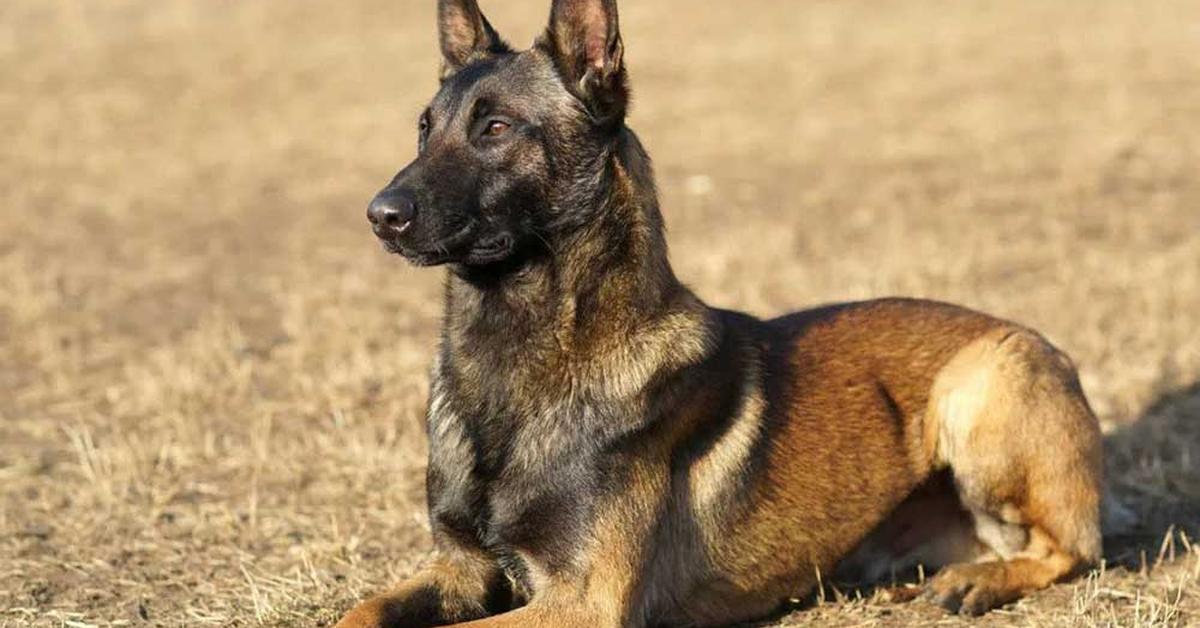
(393, 211)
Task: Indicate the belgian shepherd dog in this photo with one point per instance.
(607, 450)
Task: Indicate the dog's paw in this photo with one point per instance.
(971, 589)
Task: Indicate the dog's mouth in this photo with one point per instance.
(490, 250)
(462, 246)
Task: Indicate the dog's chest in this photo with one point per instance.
(522, 482)
(536, 520)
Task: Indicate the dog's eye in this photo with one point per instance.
(496, 127)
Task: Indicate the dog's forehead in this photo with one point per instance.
(525, 82)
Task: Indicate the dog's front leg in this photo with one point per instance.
(545, 616)
(458, 585)
(603, 597)
(609, 588)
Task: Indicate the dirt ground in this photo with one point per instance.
(212, 377)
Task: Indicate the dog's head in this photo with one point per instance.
(514, 148)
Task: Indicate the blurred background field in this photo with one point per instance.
(212, 378)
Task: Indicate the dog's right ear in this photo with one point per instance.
(465, 35)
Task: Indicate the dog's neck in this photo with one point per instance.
(601, 279)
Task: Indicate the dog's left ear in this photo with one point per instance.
(586, 45)
(465, 35)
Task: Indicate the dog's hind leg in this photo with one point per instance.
(1008, 417)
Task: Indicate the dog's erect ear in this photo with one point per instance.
(465, 35)
(586, 45)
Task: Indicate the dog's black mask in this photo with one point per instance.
(514, 148)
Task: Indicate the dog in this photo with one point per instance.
(607, 450)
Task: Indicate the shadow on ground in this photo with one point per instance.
(1153, 468)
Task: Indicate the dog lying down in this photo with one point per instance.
(607, 450)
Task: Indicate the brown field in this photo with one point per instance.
(212, 378)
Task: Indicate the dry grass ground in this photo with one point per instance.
(211, 378)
